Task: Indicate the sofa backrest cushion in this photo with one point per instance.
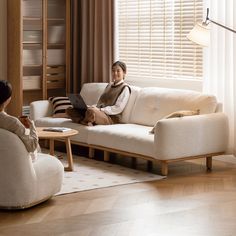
(125, 118)
(91, 92)
(152, 104)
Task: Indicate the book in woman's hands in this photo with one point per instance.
(57, 129)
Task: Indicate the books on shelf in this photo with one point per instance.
(57, 129)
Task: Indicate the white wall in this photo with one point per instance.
(3, 39)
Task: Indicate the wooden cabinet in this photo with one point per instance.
(38, 51)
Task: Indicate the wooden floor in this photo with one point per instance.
(189, 202)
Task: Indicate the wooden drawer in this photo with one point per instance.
(55, 81)
(55, 69)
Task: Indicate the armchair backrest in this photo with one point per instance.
(17, 175)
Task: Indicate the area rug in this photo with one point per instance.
(93, 174)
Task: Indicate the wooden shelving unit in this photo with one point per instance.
(38, 51)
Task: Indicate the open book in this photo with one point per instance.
(57, 129)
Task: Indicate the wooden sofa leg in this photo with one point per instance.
(149, 165)
(106, 156)
(134, 162)
(164, 168)
(91, 152)
(209, 163)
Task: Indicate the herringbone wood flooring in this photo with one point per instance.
(189, 202)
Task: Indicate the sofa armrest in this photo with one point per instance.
(41, 108)
(191, 136)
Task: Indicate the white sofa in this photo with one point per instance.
(176, 139)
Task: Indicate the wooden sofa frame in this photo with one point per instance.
(163, 163)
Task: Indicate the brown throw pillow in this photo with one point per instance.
(178, 114)
(60, 104)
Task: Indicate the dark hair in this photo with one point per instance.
(120, 64)
(5, 91)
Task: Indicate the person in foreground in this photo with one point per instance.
(110, 104)
(28, 136)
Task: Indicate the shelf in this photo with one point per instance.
(56, 19)
(56, 46)
(31, 18)
(32, 66)
(32, 44)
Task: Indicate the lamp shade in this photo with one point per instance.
(200, 34)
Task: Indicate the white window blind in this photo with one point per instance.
(152, 38)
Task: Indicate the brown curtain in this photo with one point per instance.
(92, 41)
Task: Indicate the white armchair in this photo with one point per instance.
(24, 183)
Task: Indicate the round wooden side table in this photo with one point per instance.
(65, 136)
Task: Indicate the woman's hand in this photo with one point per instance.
(25, 121)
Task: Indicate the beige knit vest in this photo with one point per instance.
(110, 95)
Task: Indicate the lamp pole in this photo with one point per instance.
(225, 27)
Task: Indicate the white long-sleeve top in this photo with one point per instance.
(120, 104)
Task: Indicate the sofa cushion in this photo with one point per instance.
(152, 104)
(92, 91)
(60, 104)
(126, 137)
(177, 114)
(125, 118)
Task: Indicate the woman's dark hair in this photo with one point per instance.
(5, 91)
(121, 64)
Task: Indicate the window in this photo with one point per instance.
(152, 38)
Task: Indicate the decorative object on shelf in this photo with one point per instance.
(32, 36)
(200, 34)
(31, 82)
(56, 34)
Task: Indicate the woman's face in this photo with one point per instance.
(117, 74)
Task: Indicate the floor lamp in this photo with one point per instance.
(200, 34)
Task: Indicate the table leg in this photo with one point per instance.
(69, 155)
(51, 146)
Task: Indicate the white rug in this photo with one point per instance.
(92, 174)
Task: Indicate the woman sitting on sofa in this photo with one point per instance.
(110, 104)
(14, 125)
